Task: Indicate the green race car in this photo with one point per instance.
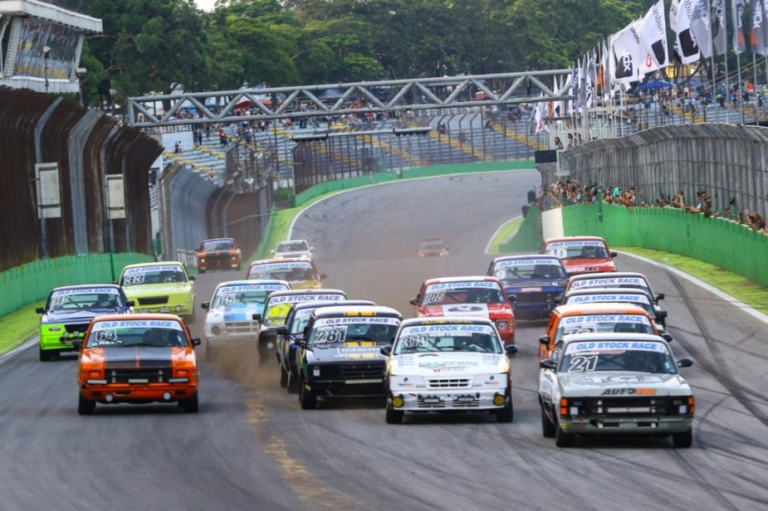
(163, 287)
(68, 313)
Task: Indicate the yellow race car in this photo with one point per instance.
(163, 287)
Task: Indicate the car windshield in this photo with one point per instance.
(603, 323)
(449, 293)
(577, 249)
(85, 299)
(214, 245)
(141, 275)
(300, 321)
(515, 270)
(447, 338)
(603, 282)
(291, 272)
(243, 295)
(432, 244)
(278, 307)
(328, 332)
(632, 356)
(638, 299)
(292, 246)
(129, 333)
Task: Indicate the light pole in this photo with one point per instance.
(46, 52)
(80, 72)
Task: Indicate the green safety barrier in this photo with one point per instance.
(528, 237)
(33, 281)
(722, 243)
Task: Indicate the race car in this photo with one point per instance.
(636, 296)
(293, 331)
(340, 355)
(449, 364)
(432, 247)
(609, 383)
(300, 273)
(234, 312)
(68, 313)
(160, 288)
(293, 248)
(625, 280)
(581, 254)
(137, 359)
(536, 281)
(219, 254)
(279, 305)
(597, 317)
(473, 296)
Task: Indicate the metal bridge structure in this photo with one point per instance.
(389, 96)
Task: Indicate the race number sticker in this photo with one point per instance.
(133, 280)
(331, 334)
(435, 297)
(583, 363)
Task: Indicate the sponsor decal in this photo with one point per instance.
(447, 330)
(140, 323)
(152, 269)
(461, 285)
(616, 345)
(531, 289)
(448, 365)
(605, 318)
(303, 298)
(85, 291)
(629, 392)
(356, 321)
(525, 262)
(465, 309)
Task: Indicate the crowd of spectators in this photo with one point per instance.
(572, 191)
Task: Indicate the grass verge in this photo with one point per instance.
(752, 294)
(19, 326)
(504, 234)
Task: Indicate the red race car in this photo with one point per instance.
(581, 254)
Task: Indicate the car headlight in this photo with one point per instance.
(406, 382)
(202, 259)
(502, 325)
(216, 330)
(491, 381)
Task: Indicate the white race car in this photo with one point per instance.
(600, 384)
(293, 248)
(234, 312)
(449, 364)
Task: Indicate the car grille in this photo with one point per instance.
(534, 297)
(242, 327)
(363, 371)
(78, 328)
(449, 383)
(139, 376)
(628, 406)
(154, 300)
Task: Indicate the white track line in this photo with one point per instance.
(490, 242)
(28, 344)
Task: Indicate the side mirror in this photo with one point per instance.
(78, 344)
(192, 278)
(544, 339)
(684, 362)
(660, 296)
(614, 254)
(115, 282)
(547, 363)
(281, 330)
(196, 341)
(510, 350)
(415, 300)
(130, 303)
(323, 276)
(667, 337)
(311, 249)
(205, 305)
(386, 351)
(256, 317)
(40, 310)
(512, 298)
(661, 315)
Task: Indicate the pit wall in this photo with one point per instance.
(33, 281)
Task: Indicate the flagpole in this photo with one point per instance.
(740, 92)
(754, 84)
(711, 57)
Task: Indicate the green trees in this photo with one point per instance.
(154, 45)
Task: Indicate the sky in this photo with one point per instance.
(206, 5)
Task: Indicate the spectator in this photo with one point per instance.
(571, 143)
(558, 144)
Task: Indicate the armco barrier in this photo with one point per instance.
(31, 282)
(725, 244)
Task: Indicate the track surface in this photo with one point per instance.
(251, 447)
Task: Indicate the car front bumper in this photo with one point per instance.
(372, 387)
(650, 425)
(450, 400)
(126, 393)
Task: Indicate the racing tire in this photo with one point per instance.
(682, 440)
(209, 352)
(191, 405)
(48, 355)
(200, 271)
(307, 398)
(239, 268)
(506, 414)
(394, 416)
(284, 377)
(85, 407)
(563, 439)
(547, 427)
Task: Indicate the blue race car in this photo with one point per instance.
(535, 281)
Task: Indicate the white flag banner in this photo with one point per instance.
(765, 26)
(569, 86)
(605, 77)
(689, 51)
(588, 84)
(653, 36)
(702, 27)
(737, 11)
(757, 34)
(719, 35)
(674, 9)
(625, 48)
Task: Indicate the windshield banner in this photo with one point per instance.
(356, 321)
(526, 262)
(576, 347)
(309, 297)
(609, 282)
(447, 330)
(137, 323)
(609, 298)
(150, 269)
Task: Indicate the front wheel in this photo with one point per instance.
(562, 439)
(293, 382)
(85, 407)
(48, 355)
(506, 414)
(191, 405)
(307, 397)
(547, 428)
(682, 440)
(394, 416)
(283, 377)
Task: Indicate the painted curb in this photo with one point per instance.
(495, 234)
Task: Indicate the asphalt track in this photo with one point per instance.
(252, 447)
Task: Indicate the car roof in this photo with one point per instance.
(453, 320)
(281, 260)
(86, 286)
(357, 311)
(132, 317)
(528, 256)
(575, 238)
(260, 282)
(340, 303)
(296, 292)
(584, 309)
(567, 339)
(469, 278)
(609, 275)
(157, 263)
(219, 239)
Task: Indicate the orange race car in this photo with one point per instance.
(219, 254)
(141, 358)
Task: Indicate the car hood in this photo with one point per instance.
(574, 266)
(532, 285)
(305, 284)
(157, 289)
(80, 316)
(450, 364)
(132, 357)
(480, 310)
(368, 351)
(615, 383)
(243, 312)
